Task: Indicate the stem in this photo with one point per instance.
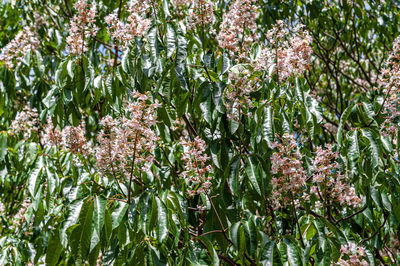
(351, 216)
(297, 222)
(383, 103)
(116, 43)
(113, 170)
(377, 231)
(133, 167)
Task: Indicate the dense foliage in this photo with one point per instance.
(199, 132)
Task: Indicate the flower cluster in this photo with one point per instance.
(289, 174)
(202, 14)
(40, 21)
(82, 27)
(26, 122)
(237, 94)
(19, 218)
(197, 170)
(238, 28)
(136, 25)
(24, 42)
(180, 6)
(288, 51)
(52, 136)
(352, 255)
(74, 139)
(330, 183)
(127, 144)
(389, 81)
(69, 138)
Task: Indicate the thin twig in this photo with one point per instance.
(351, 216)
(116, 43)
(377, 231)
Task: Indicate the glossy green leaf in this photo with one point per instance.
(54, 249)
(342, 122)
(162, 223)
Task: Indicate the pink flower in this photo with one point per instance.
(24, 42)
(238, 28)
(26, 123)
(129, 141)
(82, 28)
(288, 54)
(289, 174)
(237, 94)
(136, 23)
(197, 170)
(354, 254)
(201, 14)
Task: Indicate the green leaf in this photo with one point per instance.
(71, 68)
(233, 173)
(342, 122)
(211, 250)
(124, 61)
(267, 253)
(166, 9)
(3, 146)
(61, 74)
(235, 234)
(268, 130)
(171, 40)
(181, 52)
(81, 236)
(54, 249)
(292, 251)
(373, 146)
(354, 149)
(98, 215)
(206, 108)
(162, 224)
(74, 211)
(250, 231)
(67, 96)
(214, 154)
(154, 44)
(226, 64)
(251, 173)
(52, 180)
(118, 214)
(35, 177)
(39, 63)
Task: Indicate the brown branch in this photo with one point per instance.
(117, 199)
(297, 223)
(352, 215)
(51, 17)
(377, 231)
(133, 166)
(106, 45)
(67, 7)
(383, 103)
(351, 56)
(116, 43)
(311, 212)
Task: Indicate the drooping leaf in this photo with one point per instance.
(342, 122)
(162, 223)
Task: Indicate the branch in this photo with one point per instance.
(377, 231)
(116, 43)
(67, 6)
(351, 216)
(383, 103)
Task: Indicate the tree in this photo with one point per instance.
(243, 132)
